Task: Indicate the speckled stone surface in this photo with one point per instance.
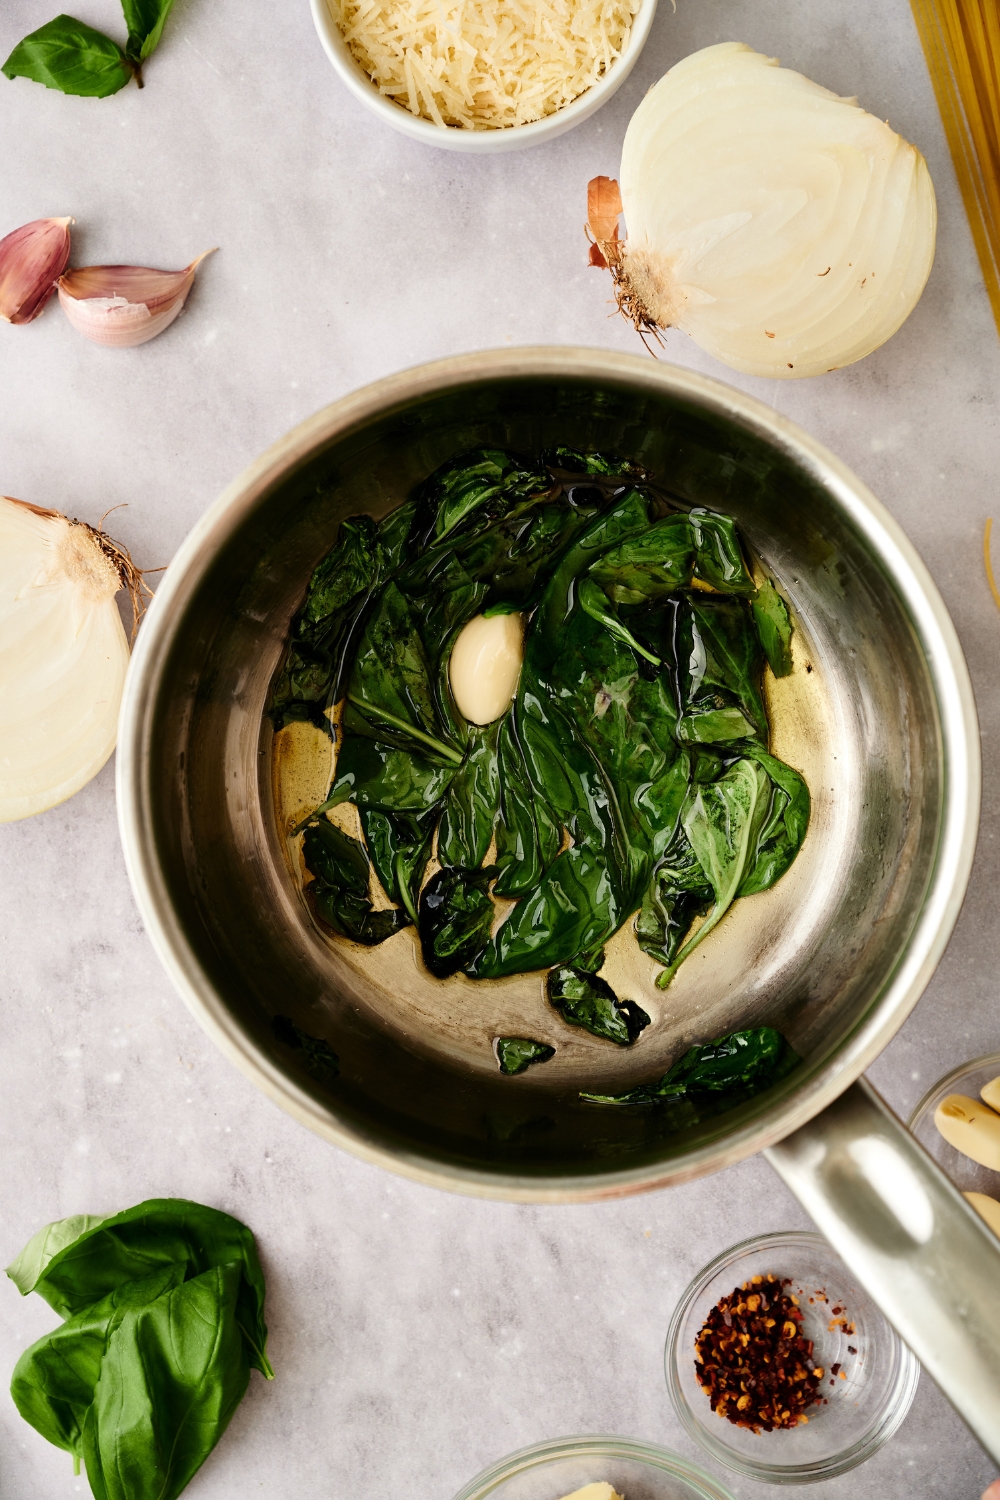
(416, 1336)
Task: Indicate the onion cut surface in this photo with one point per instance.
(63, 656)
(785, 229)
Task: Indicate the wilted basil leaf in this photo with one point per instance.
(318, 1057)
(473, 801)
(483, 483)
(770, 615)
(515, 1053)
(586, 1000)
(69, 56)
(456, 914)
(719, 1075)
(340, 888)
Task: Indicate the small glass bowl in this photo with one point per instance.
(862, 1410)
(967, 1175)
(639, 1471)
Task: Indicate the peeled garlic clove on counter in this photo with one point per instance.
(32, 259)
(485, 665)
(63, 655)
(971, 1128)
(124, 305)
(987, 1208)
(788, 231)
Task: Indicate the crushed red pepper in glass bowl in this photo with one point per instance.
(823, 1378)
(753, 1359)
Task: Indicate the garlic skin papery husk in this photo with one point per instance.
(32, 259)
(785, 229)
(63, 655)
(124, 305)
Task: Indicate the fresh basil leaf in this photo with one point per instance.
(717, 1076)
(456, 914)
(145, 20)
(318, 1057)
(473, 802)
(719, 821)
(174, 1373)
(69, 56)
(54, 1381)
(583, 999)
(774, 628)
(515, 1053)
(133, 1244)
(32, 1263)
(340, 888)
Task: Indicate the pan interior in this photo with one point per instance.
(418, 1078)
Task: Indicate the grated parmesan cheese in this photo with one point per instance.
(484, 64)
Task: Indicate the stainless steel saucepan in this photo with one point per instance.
(878, 714)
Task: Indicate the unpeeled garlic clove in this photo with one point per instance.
(32, 259)
(124, 305)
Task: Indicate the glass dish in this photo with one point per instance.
(967, 1175)
(638, 1471)
(862, 1410)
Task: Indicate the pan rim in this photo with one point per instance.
(949, 677)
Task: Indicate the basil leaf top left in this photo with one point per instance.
(69, 56)
(73, 1274)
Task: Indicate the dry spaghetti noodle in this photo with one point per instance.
(961, 42)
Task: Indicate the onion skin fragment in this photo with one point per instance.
(785, 229)
(122, 306)
(63, 655)
(32, 259)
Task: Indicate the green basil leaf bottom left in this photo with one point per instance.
(131, 1245)
(174, 1373)
(164, 1310)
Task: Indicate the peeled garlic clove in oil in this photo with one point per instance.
(124, 305)
(63, 655)
(32, 259)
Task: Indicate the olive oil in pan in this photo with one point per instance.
(731, 981)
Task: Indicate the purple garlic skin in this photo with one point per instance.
(32, 259)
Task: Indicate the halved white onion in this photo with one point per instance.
(785, 229)
(63, 655)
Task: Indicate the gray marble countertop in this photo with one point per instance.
(416, 1336)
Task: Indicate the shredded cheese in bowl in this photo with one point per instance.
(485, 64)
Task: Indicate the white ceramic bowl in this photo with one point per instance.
(509, 138)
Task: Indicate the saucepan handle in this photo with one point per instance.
(911, 1239)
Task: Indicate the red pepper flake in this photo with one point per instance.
(753, 1361)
